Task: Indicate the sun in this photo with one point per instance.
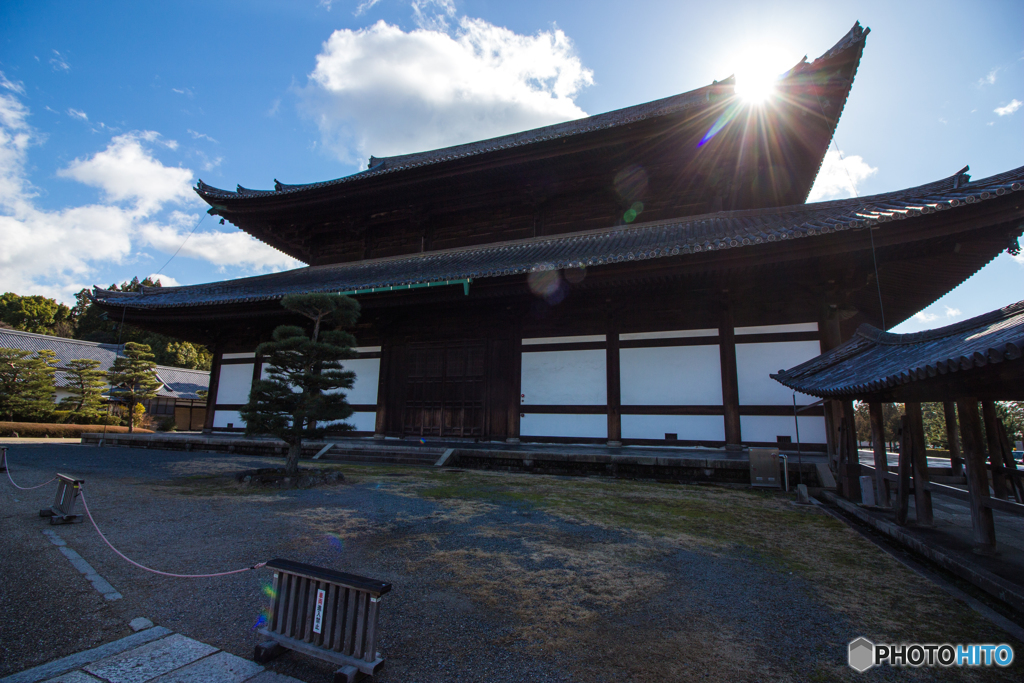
(757, 72)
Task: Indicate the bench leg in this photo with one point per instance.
(267, 651)
(348, 674)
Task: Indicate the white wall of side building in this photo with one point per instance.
(671, 375)
(235, 383)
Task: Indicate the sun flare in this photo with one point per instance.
(758, 71)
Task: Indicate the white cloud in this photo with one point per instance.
(16, 86)
(953, 312)
(1013, 106)
(164, 280)
(382, 91)
(433, 15)
(222, 249)
(989, 78)
(75, 114)
(925, 317)
(59, 63)
(57, 252)
(362, 9)
(200, 136)
(187, 92)
(839, 177)
(127, 172)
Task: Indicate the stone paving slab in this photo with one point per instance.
(74, 677)
(153, 655)
(222, 667)
(151, 660)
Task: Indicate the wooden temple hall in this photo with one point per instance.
(633, 277)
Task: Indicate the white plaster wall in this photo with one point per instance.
(531, 341)
(670, 334)
(777, 329)
(564, 378)
(232, 356)
(234, 384)
(671, 375)
(769, 428)
(222, 417)
(754, 362)
(686, 427)
(367, 375)
(363, 422)
(61, 395)
(542, 424)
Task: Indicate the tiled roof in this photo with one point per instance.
(874, 361)
(178, 382)
(662, 239)
(613, 119)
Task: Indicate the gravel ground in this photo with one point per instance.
(496, 577)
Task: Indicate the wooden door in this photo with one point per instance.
(445, 389)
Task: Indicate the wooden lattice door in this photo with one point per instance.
(445, 389)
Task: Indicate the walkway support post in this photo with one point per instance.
(956, 461)
(982, 524)
(851, 469)
(903, 477)
(919, 457)
(881, 458)
(995, 450)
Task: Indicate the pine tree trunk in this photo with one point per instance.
(131, 417)
(291, 464)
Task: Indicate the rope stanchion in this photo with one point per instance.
(85, 506)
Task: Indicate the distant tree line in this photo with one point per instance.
(87, 322)
(934, 418)
(28, 387)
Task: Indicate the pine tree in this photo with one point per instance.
(86, 385)
(132, 378)
(27, 387)
(304, 375)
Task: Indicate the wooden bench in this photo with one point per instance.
(325, 614)
(63, 509)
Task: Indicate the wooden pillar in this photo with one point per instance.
(995, 451)
(956, 462)
(380, 424)
(851, 472)
(730, 383)
(919, 457)
(613, 389)
(982, 524)
(516, 383)
(831, 337)
(1014, 482)
(903, 472)
(881, 457)
(211, 396)
(257, 369)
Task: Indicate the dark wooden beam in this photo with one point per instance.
(613, 387)
(919, 458)
(211, 396)
(995, 451)
(956, 462)
(730, 382)
(982, 523)
(881, 457)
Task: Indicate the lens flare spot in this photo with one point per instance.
(631, 183)
(723, 120)
(547, 284)
(336, 541)
(260, 621)
(269, 591)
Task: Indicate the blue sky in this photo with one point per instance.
(110, 111)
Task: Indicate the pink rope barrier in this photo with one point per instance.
(88, 514)
(27, 488)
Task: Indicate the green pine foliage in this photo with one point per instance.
(86, 385)
(36, 314)
(305, 377)
(27, 388)
(132, 377)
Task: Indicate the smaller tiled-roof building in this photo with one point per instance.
(179, 391)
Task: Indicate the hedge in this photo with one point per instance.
(59, 431)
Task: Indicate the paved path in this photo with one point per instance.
(155, 654)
